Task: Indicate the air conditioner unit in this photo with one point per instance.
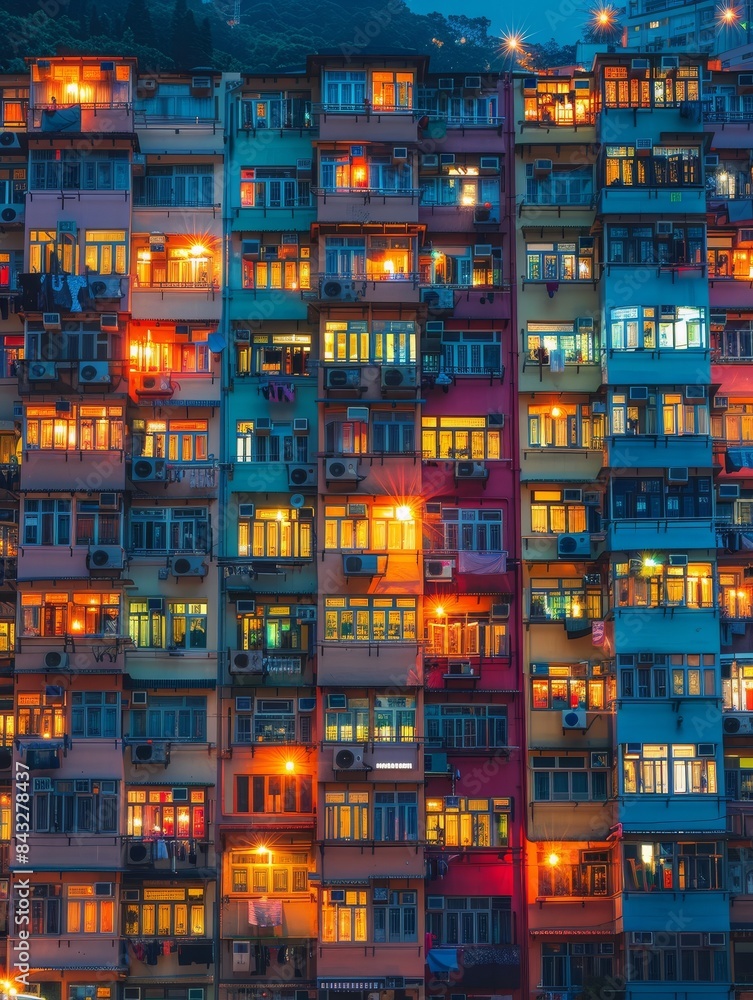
(245, 607)
(638, 393)
(339, 291)
(250, 248)
(670, 62)
(41, 784)
(42, 371)
(711, 160)
(263, 426)
(246, 509)
(399, 154)
(500, 611)
(246, 661)
(138, 698)
(439, 569)
(360, 565)
(94, 371)
(678, 559)
(148, 469)
(446, 83)
(429, 160)
(302, 475)
(482, 250)
(434, 327)
(108, 322)
(446, 159)
(542, 167)
(592, 579)
(403, 377)
(572, 496)
(472, 83)
(471, 470)
(530, 84)
(148, 84)
(438, 298)
(189, 566)
(640, 64)
(55, 660)
(342, 378)
(337, 701)
(159, 384)
(201, 83)
(573, 718)
(665, 228)
(728, 491)
(138, 853)
(358, 414)
(9, 140)
(242, 336)
(574, 545)
(105, 557)
(300, 425)
(348, 759)
(148, 753)
(460, 668)
(342, 470)
(695, 392)
(734, 724)
(720, 403)
(677, 474)
(641, 937)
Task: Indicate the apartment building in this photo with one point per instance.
(686, 26)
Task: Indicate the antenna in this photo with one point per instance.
(236, 18)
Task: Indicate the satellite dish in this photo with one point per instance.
(297, 501)
(216, 343)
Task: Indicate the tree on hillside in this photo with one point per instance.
(139, 19)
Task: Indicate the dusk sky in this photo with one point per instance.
(504, 15)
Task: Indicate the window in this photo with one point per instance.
(79, 805)
(275, 111)
(339, 171)
(343, 915)
(567, 779)
(729, 263)
(468, 530)
(552, 515)
(574, 344)
(642, 245)
(95, 527)
(678, 958)
(737, 689)
(564, 598)
(456, 821)
(170, 717)
(106, 251)
(557, 687)
(278, 354)
(656, 769)
(82, 427)
(378, 528)
(154, 813)
(47, 522)
(662, 675)
(279, 445)
(381, 342)
(48, 250)
(273, 793)
(655, 87)
(165, 351)
(460, 920)
(370, 619)
(183, 441)
(576, 873)
(651, 498)
(558, 262)
(172, 912)
(40, 714)
(395, 817)
(393, 432)
(465, 353)
(169, 529)
(552, 104)
(276, 533)
(15, 106)
(391, 90)
(461, 267)
(737, 424)
(395, 915)
(79, 341)
(564, 425)
(394, 720)
(370, 258)
(95, 714)
(673, 867)
(458, 111)
(59, 614)
(75, 169)
(662, 166)
(271, 872)
(464, 635)
(68, 83)
(348, 724)
(171, 625)
(87, 912)
(650, 584)
(45, 908)
(467, 727)
(344, 90)
(12, 188)
(274, 721)
(460, 438)
(680, 328)
(566, 964)
(271, 627)
(193, 265)
(285, 267)
(175, 186)
(667, 413)
(346, 816)
(463, 191)
(562, 186)
(737, 341)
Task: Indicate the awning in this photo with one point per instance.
(736, 459)
(443, 960)
(156, 683)
(23, 744)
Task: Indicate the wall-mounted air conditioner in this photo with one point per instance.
(148, 469)
(367, 565)
(42, 371)
(189, 566)
(105, 557)
(574, 718)
(728, 491)
(302, 475)
(108, 322)
(246, 661)
(439, 569)
(471, 470)
(342, 378)
(677, 474)
(711, 160)
(429, 160)
(342, 470)
(574, 545)
(638, 393)
(94, 372)
(348, 759)
(402, 377)
(148, 753)
(300, 425)
(339, 291)
(55, 660)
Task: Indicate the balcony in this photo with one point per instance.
(56, 294)
(148, 952)
(367, 205)
(465, 217)
(291, 959)
(366, 122)
(386, 286)
(481, 968)
(187, 856)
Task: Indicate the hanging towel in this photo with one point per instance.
(265, 913)
(557, 360)
(162, 854)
